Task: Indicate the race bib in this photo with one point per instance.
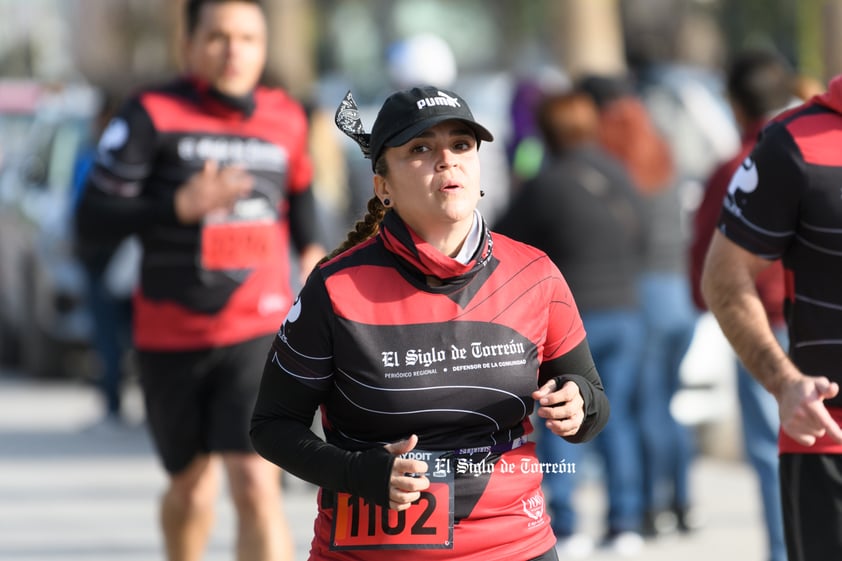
(246, 238)
(427, 524)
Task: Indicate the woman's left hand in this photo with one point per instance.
(563, 409)
(407, 479)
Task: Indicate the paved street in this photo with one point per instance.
(71, 495)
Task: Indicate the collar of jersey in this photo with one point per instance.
(223, 104)
(401, 240)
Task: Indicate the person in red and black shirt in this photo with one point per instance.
(783, 202)
(211, 172)
(424, 340)
(759, 85)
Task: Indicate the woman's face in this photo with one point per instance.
(433, 181)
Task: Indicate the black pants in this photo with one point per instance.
(811, 496)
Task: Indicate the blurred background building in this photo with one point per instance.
(129, 41)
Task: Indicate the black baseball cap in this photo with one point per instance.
(408, 113)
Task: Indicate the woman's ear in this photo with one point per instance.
(381, 187)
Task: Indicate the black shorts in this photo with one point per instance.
(198, 402)
(811, 493)
(550, 555)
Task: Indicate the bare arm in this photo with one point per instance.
(728, 286)
(729, 291)
(309, 258)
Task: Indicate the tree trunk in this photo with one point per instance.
(589, 38)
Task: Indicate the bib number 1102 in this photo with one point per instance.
(390, 522)
(426, 524)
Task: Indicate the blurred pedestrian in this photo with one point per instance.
(420, 343)
(524, 148)
(759, 84)
(783, 203)
(583, 210)
(211, 171)
(628, 132)
(110, 306)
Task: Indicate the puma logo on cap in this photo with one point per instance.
(441, 99)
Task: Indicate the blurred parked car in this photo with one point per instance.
(18, 103)
(43, 312)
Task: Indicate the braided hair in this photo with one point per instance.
(368, 226)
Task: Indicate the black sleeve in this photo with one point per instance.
(302, 219)
(280, 432)
(761, 209)
(102, 216)
(114, 202)
(578, 366)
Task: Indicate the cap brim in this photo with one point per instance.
(411, 132)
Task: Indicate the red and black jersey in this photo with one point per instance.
(770, 281)
(226, 279)
(785, 202)
(387, 354)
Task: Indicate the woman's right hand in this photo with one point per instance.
(405, 489)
